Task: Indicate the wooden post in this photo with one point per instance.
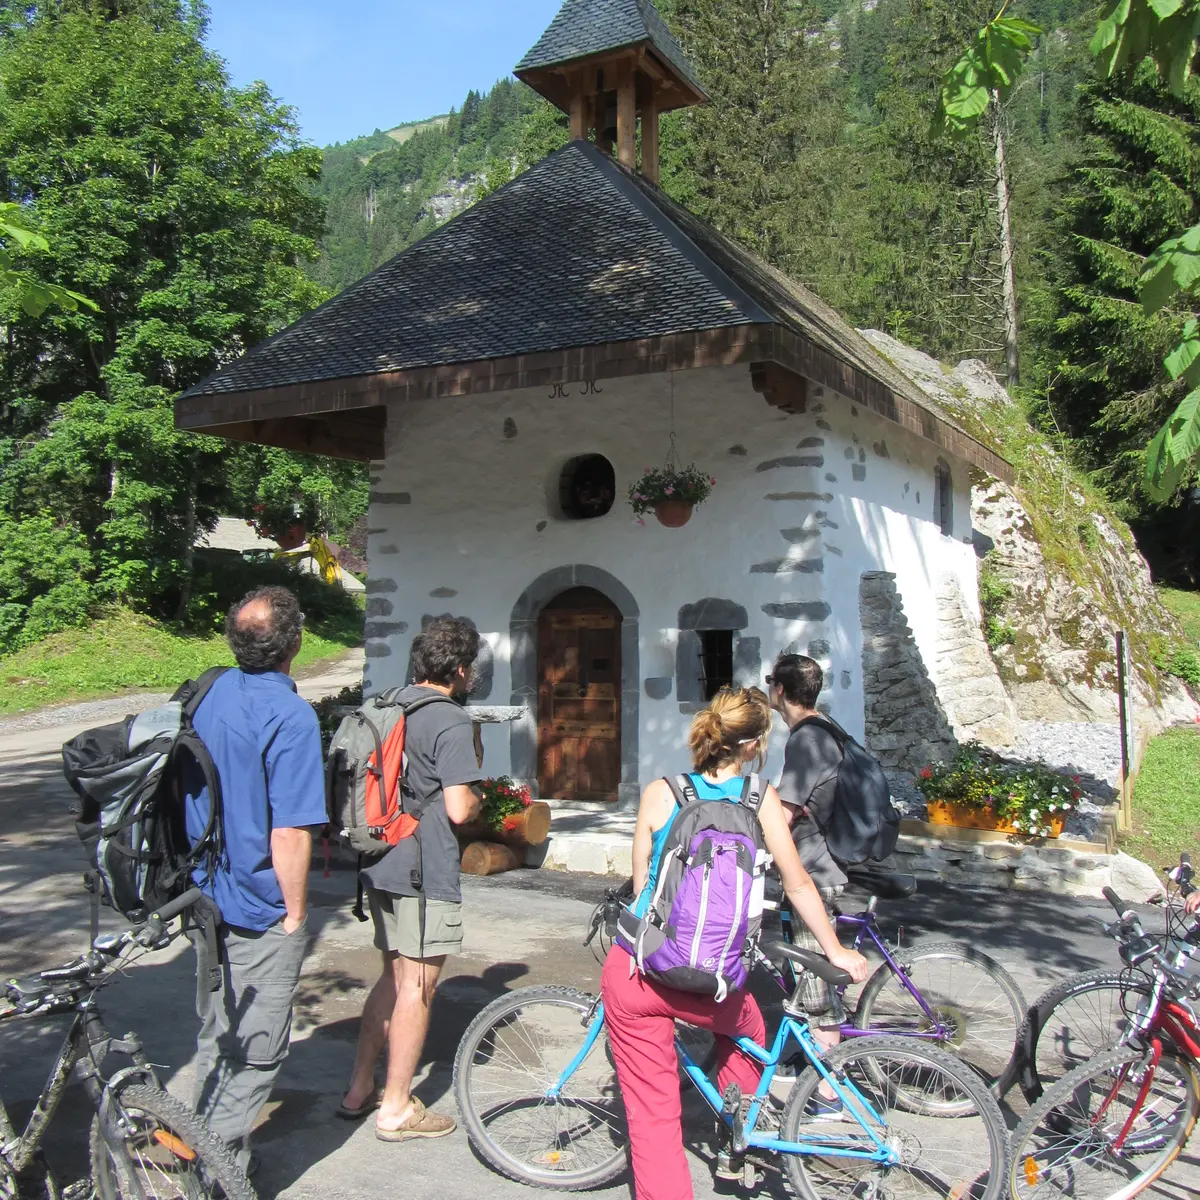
(627, 118)
(650, 153)
(578, 108)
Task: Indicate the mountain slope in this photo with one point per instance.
(387, 190)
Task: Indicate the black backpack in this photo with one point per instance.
(130, 780)
(863, 823)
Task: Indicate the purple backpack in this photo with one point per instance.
(703, 921)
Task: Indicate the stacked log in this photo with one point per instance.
(488, 851)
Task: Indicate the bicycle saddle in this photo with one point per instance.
(808, 960)
(881, 883)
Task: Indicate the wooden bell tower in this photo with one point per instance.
(609, 64)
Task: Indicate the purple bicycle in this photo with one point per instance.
(947, 993)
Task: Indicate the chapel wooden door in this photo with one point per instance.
(579, 697)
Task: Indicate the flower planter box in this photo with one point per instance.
(963, 816)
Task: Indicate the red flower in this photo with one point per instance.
(1076, 794)
(1076, 779)
(511, 822)
(926, 773)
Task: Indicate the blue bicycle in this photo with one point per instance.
(538, 1094)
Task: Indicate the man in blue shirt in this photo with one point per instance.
(266, 744)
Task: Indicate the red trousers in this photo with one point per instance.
(640, 1018)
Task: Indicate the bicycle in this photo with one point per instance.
(143, 1143)
(537, 1091)
(1111, 1127)
(945, 993)
(1085, 1014)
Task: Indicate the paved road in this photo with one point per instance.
(523, 928)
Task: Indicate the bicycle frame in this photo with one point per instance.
(866, 926)
(1164, 1020)
(824, 1145)
(87, 1043)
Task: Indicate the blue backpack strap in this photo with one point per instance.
(752, 793)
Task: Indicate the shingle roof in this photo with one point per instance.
(583, 28)
(572, 253)
(576, 252)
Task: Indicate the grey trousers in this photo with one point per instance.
(245, 1029)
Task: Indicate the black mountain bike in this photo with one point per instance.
(145, 1144)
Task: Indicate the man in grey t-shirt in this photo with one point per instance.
(811, 763)
(414, 891)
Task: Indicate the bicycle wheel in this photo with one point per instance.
(1072, 1023)
(939, 1158)
(972, 995)
(509, 1060)
(166, 1151)
(1066, 1145)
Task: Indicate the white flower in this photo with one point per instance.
(1033, 812)
(1054, 791)
(1053, 807)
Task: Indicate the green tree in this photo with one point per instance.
(764, 161)
(1136, 181)
(183, 207)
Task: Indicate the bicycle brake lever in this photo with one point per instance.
(597, 916)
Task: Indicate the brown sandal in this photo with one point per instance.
(357, 1114)
(420, 1123)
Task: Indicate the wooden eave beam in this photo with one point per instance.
(341, 404)
(780, 387)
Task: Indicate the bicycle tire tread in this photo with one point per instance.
(1042, 1009)
(961, 1072)
(479, 1140)
(1070, 1083)
(212, 1152)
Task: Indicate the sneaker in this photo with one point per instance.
(820, 1108)
(420, 1123)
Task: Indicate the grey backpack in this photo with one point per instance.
(364, 775)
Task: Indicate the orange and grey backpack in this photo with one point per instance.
(364, 775)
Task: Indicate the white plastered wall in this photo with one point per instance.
(463, 519)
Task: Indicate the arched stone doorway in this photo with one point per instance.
(613, 599)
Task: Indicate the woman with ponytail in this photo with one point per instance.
(640, 1014)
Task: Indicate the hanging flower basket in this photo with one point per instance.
(981, 790)
(670, 493)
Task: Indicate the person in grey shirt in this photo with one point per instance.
(414, 891)
(811, 763)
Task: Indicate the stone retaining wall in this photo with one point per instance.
(981, 859)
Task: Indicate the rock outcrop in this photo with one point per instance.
(1070, 573)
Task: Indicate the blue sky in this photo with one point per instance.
(348, 66)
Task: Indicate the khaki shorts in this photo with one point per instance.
(398, 925)
(816, 996)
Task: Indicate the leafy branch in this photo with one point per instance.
(986, 73)
(33, 294)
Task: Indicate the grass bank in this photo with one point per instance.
(123, 651)
(1166, 800)
(1185, 607)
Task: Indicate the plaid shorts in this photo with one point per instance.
(814, 992)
